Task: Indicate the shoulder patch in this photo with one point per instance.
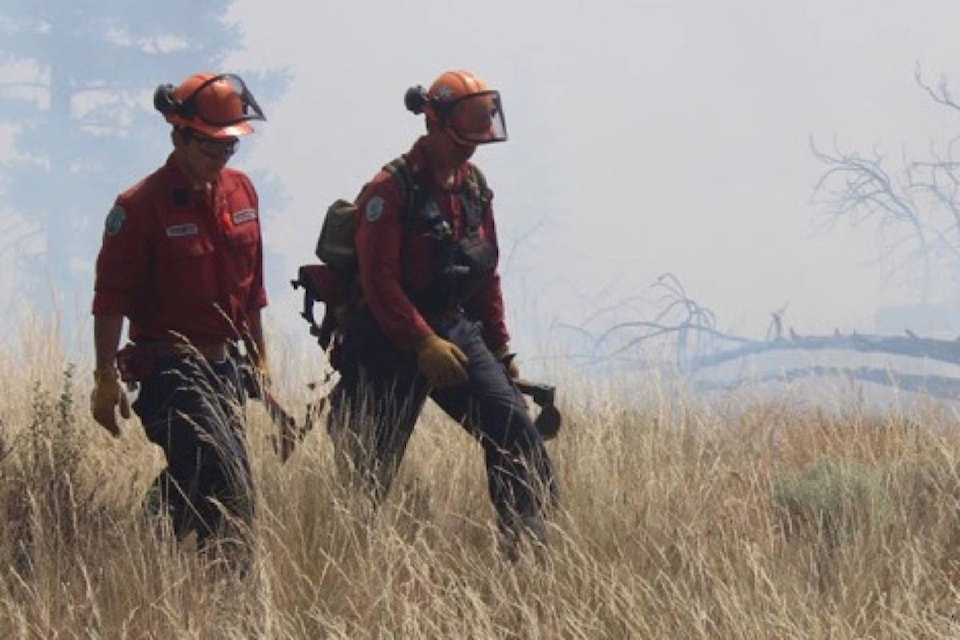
(374, 209)
(114, 220)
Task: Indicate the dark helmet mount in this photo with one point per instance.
(165, 102)
(415, 99)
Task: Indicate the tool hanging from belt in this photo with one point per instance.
(289, 433)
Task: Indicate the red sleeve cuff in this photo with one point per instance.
(258, 302)
(408, 339)
(105, 304)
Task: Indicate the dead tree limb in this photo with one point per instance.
(943, 387)
(947, 351)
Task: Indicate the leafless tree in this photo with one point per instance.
(913, 204)
(690, 330)
(914, 207)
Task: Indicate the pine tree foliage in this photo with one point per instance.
(76, 85)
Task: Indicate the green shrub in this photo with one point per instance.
(831, 500)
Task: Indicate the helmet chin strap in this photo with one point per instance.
(447, 130)
(446, 154)
(442, 126)
(464, 148)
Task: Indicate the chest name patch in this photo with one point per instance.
(180, 230)
(244, 215)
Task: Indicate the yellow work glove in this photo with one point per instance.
(441, 362)
(509, 361)
(105, 397)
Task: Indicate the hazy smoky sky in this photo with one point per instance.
(645, 137)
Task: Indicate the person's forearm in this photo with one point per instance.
(106, 339)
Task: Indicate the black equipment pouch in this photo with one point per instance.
(474, 261)
(477, 255)
(136, 363)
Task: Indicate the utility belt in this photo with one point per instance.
(138, 361)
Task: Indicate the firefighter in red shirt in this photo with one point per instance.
(182, 261)
(431, 322)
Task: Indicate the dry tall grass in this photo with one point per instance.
(679, 520)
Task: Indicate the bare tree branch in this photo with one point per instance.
(941, 94)
(943, 387)
(947, 351)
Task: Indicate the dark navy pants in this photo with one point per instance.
(194, 410)
(381, 393)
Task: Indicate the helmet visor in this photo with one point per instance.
(224, 101)
(478, 118)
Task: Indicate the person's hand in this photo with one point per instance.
(509, 361)
(441, 362)
(104, 399)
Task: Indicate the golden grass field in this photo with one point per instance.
(679, 519)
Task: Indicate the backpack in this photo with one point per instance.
(334, 282)
(335, 245)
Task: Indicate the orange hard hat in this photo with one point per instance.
(219, 106)
(463, 104)
(453, 85)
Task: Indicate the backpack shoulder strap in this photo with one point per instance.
(399, 168)
(476, 194)
(476, 185)
(476, 197)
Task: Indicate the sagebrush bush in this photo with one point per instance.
(829, 499)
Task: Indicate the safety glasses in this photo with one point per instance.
(211, 147)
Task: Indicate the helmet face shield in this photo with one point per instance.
(223, 101)
(477, 118)
(217, 106)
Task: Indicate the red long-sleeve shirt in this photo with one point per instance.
(174, 259)
(398, 261)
